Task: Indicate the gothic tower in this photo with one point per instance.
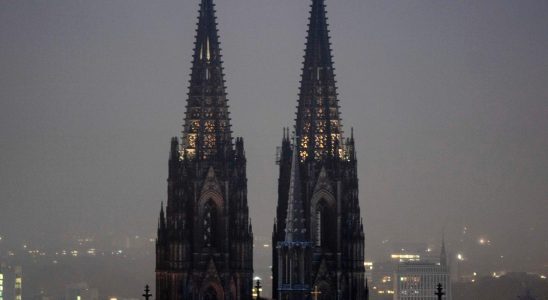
(205, 241)
(328, 190)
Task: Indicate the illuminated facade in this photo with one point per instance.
(328, 190)
(418, 280)
(81, 291)
(1, 285)
(18, 283)
(205, 242)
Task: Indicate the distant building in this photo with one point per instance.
(1, 284)
(18, 283)
(368, 270)
(382, 274)
(81, 291)
(418, 279)
(11, 281)
(381, 280)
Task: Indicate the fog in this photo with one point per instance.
(448, 101)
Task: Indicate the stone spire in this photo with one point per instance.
(295, 227)
(206, 133)
(443, 254)
(318, 122)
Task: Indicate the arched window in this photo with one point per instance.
(323, 217)
(321, 224)
(210, 294)
(209, 222)
(319, 220)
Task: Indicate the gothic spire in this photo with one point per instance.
(295, 227)
(206, 131)
(162, 220)
(443, 254)
(318, 122)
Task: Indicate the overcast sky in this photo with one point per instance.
(448, 100)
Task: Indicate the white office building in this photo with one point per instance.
(418, 280)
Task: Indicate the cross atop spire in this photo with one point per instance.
(295, 228)
(318, 122)
(206, 131)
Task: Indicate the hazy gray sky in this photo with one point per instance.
(448, 100)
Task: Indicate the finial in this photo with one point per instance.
(439, 292)
(147, 293)
(162, 220)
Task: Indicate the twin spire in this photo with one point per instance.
(206, 133)
(318, 123)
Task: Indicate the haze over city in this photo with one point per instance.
(447, 101)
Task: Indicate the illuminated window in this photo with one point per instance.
(306, 127)
(304, 155)
(320, 141)
(209, 141)
(320, 112)
(194, 126)
(191, 138)
(209, 126)
(208, 52)
(304, 148)
(190, 152)
(320, 126)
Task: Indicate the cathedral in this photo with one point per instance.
(204, 248)
(318, 239)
